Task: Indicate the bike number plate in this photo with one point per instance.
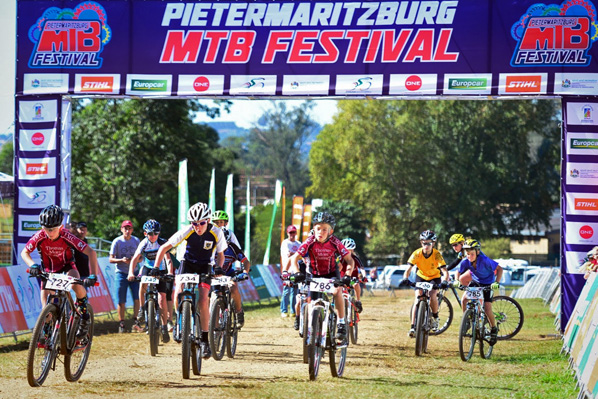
(321, 285)
(222, 280)
(474, 294)
(187, 278)
(424, 286)
(149, 280)
(59, 282)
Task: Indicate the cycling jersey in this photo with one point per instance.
(322, 255)
(483, 272)
(200, 249)
(149, 250)
(57, 255)
(358, 265)
(232, 254)
(428, 267)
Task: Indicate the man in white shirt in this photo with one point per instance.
(287, 249)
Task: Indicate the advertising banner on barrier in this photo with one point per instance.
(11, 312)
(28, 293)
(264, 48)
(248, 291)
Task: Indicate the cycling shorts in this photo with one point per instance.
(197, 268)
(487, 294)
(161, 283)
(436, 280)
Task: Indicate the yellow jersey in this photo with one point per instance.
(428, 268)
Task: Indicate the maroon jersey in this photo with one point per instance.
(322, 256)
(56, 254)
(358, 266)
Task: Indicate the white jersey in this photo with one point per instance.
(288, 249)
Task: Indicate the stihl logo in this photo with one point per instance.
(523, 84)
(97, 83)
(37, 169)
(583, 204)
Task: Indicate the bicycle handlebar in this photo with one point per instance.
(45, 276)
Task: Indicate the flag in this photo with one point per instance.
(277, 196)
(229, 203)
(306, 222)
(212, 195)
(183, 204)
(248, 224)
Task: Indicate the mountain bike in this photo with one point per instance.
(151, 308)
(224, 328)
(474, 325)
(321, 331)
(55, 333)
(509, 316)
(423, 316)
(188, 328)
(351, 314)
(445, 310)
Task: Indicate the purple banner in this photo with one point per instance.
(309, 48)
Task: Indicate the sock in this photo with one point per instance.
(435, 315)
(341, 320)
(413, 326)
(205, 336)
(82, 307)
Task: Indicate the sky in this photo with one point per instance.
(243, 112)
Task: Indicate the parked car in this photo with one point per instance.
(395, 276)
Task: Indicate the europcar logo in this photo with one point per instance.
(27, 225)
(467, 83)
(70, 38)
(149, 85)
(555, 35)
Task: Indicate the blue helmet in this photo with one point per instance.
(151, 226)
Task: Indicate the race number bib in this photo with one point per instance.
(472, 293)
(187, 278)
(149, 280)
(222, 280)
(424, 286)
(59, 282)
(321, 285)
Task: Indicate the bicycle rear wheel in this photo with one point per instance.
(152, 327)
(336, 355)
(305, 316)
(195, 348)
(218, 321)
(485, 347)
(353, 325)
(315, 349)
(467, 335)
(509, 316)
(445, 316)
(42, 347)
(420, 328)
(232, 331)
(78, 348)
(186, 337)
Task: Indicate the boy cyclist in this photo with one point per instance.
(233, 253)
(430, 266)
(349, 243)
(220, 219)
(146, 252)
(483, 271)
(322, 248)
(204, 240)
(56, 247)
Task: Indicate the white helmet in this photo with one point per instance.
(349, 243)
(199, 211)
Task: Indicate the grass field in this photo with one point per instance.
(268, 363)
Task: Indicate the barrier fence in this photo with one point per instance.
(20, 302)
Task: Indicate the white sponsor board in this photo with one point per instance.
(581, 233)
(359, 85)
(576, 83)
(582, 204)
(582, 113)
(45, 83)
(37, 139)
(37, 168)
(413, 84)
(149, 85)
(582, 173)
(36, 197)
(467, 84)
(97, 83)
(522, 83)
(38, 111)
(28, 225)
(574, 261)
(28, 293)
(253, 85)
(582, 143)
(294, 85)
(193, 85)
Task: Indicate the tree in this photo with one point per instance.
(449, 166)
(7, 158)
(350, 222)
(125, 161)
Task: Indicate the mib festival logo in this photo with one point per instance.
(555, 35)
(70, 38)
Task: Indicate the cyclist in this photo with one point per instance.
(457, 241)
(56, 246)
(220, 219)
(430, 267)
(349, 243)
(204, 240)
(231, 254)
(484, 272)
(322, 248)
(147, 249)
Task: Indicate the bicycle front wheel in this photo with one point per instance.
(218, 320)
(445, 316)
(76, 358)
(152, 327)
(232, 331)
(509, 316)
(315, 349)
(420, 332)
(43, 346)
(336, 355)
(305, 317)
(467, 335)
(485, 347)
(195, 348)
(186, 337)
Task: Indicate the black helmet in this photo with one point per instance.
(324, 217)
(427, 235)
(51, 216)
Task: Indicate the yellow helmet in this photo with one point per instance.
(455, 238)
(471, 243)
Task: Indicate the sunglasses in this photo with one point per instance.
(202, 223)
(426, 244)
(151, 234)
(457, 244)
(51, 229)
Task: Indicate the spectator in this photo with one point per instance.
(122, 250)
(289, 294)
(590, 263)
(81, 260)
(373, 274)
